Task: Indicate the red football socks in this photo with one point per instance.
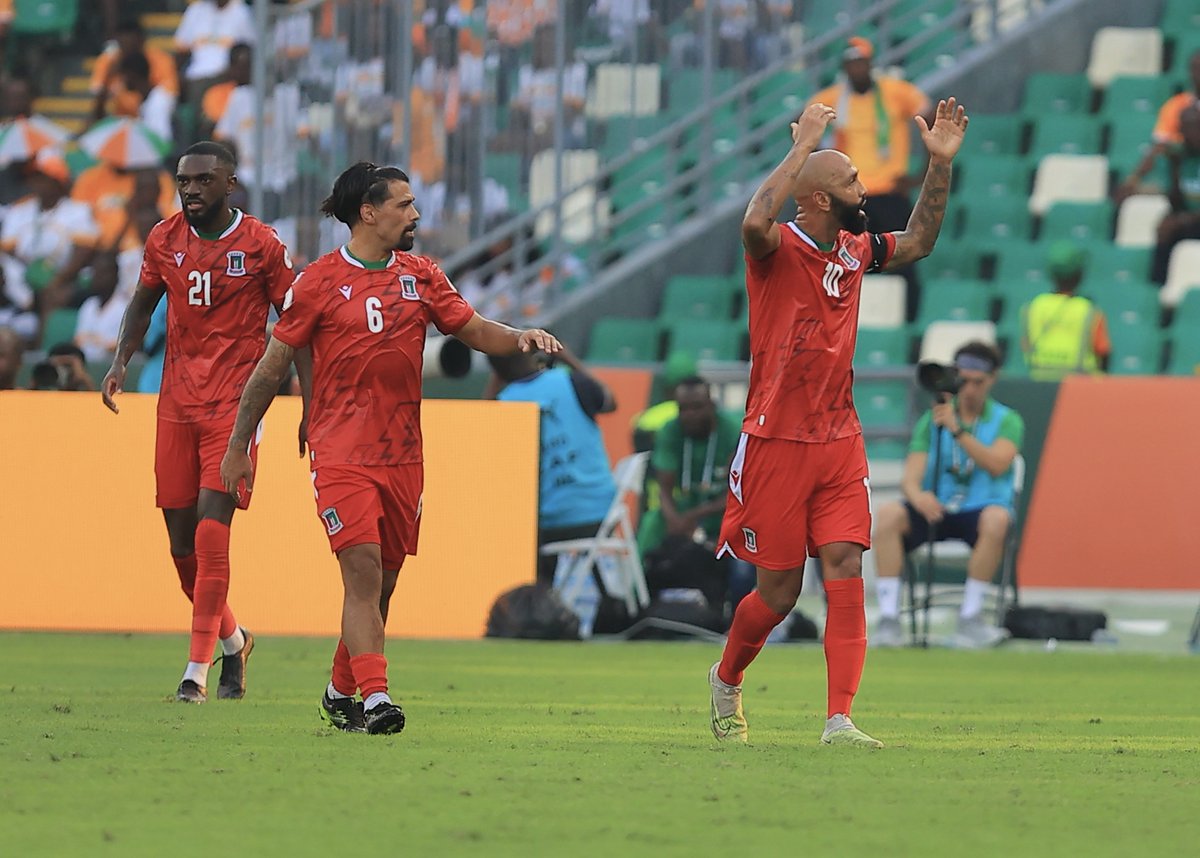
(752, 622)
(212, 587)
(370, 673)
(343, 674)
(185, 567)
(845, 642)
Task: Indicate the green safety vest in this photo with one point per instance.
(1058, 329)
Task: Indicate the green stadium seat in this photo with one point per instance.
(697, 297)
(60, 328)
(40, 17)
(886, 449)
(1079, 222)
(883, 404)
(1122, 264)
(1185, 355)
(995, 176)
(954, 301)
(881, 348)
(1019, 263)
(1130, 138)
(624, 341)
(950, 259)
(707, 339)
(993, 134)
(1137, 350)
(1187, 42)
(505, 169)
(685, 87)
(1067, 134)
(1186, 321)
(1127, 305)
(1178, 17)
(997, 220)
(1048, 92)
(1014, 296)
(1130, 95)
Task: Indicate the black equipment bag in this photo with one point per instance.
(532, 612)
(1054, 621)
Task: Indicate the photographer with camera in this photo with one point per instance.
(63, 369)
(957, 484)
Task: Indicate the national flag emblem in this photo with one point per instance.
(179, 259)
(408, 287)
(751, 540)
(332, 523)
(236, 266)
(848, 259)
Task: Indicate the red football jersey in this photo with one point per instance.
(366, 323)
(803, 327)
(219, 289)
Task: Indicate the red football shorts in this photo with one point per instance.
(187, 458)
(787, 499)
(380, 505)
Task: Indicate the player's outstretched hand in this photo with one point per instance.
(946, 135)
(237, 473)
(535, 339)
(810, 127)
(114, 383)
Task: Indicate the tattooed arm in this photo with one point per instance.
(760, 232)
(942, 141)
(256, 398)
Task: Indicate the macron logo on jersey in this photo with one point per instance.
(179, 259)
(345, 290)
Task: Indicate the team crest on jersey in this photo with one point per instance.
(332, 523)
(751, 540)
(408, 287)
(848, 259)
(179, 259)
(236, 265)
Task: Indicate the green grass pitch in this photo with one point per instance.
(559, 749)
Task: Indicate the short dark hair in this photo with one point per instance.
(240, 47)
(362, 183)
(66, 348)
(134, 64)
(130, 24)
(692, 381)
(981, 350)
(218, 150)
(514, 366)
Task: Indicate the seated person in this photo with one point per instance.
(1184, 192)
(690, 464)
(576, 485)
(99, 320)
(108, 85)
(969, 498)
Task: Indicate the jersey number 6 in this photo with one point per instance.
(374, 316)
(200, 293)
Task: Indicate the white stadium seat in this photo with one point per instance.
(942, 339)
(1069, 179)
(1183, 272)
(624, 89)
(579, 165)
(1117, 51)
(883, 300)
(1137, 220)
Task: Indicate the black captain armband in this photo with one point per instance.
(879, 252)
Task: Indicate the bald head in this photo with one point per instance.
(829, 193)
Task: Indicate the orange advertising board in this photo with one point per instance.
(82, 546)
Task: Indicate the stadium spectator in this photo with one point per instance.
(633, 29)
(690, 466)
(1061, 331)
(969, 498)
(206, 32)
(798, 483)
(99, 319)
(111, 193)
(1168, 130)
(216, 100)
(576, 483)
(513, 22)
(63, 369)
(1184, 192)
(531, 115)
(16, 97)
(46, 239)
(872, 127)
(453, 82)
(12, 349)
(6, 18)
(113, 97)
(156, 104)
(279, 121)
(679, 365)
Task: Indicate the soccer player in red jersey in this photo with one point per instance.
(364, 309)
(221, 269)
(798, 481)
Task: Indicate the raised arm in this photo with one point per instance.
(133, 330)
(760, 231)
(942, 141)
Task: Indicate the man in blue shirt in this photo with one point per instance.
(969, 498)
(576, 485)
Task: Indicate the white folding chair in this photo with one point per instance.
(612, 553)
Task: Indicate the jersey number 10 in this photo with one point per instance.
(200, 292)
(832, 280)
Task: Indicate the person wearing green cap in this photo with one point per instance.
(679, 365)
(1061, 331)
